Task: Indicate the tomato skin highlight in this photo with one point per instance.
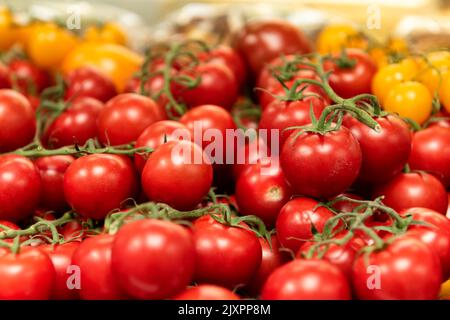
(307, 280)
(153, 259)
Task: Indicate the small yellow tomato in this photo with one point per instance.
(334, 38)
(115, 61)
(411, 100)
(109, 33)
(49, 44)
(445, 290)
(444, 92)
(390, 75)
(7, 34)
(435, 66)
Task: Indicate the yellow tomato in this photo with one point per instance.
(117, 62)
(389, 76)
(7, 36)
(109, 33)
(444, 92)
(445, 290)
(334, 38)
(435, 66)
(411, 100)
(49, 44)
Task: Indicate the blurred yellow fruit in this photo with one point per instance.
(7, 36)
(444, 92)
(334, 38)
(389, 76)
(435, 65)
(109, 33)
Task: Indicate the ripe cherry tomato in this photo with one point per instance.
(28, 275)
(307, 280)
(262, 41)
(217, 86)
(153, 259)
(177, 173)
(155, 135)
(407, 190)
(431, 152)
(52, 171)
(20, 187)
(297, 219)
(429, 216)
(384, 153)
(27, 77)
(319, 165)
(88, 82)
(344, 205)
(409, 99)
(405, 269)
(272, 258)
(18, 124)
(249, 153)
(262, 192)
(61, 256)
(98, 183)
(434, 68)
(73, 231)
(227, 256)
(353, 75)
(389, 76)
(75, 125)
(125, 117)
(207, 292)
(93, 257)
(4, 77)
(335, 37)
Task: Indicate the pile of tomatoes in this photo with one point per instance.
(351, 202)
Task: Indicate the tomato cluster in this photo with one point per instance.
(109, 191)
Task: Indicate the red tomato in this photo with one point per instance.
(407, 190)
(444, 122)
(125, 117)
(178, 174)
(61, 256)
(384, 153)
(431, 152)
(20, 187)
(73, 231)
(4, 77)
(98, 183)
(28, 275)
(88, 82)
(248, 154)
(52, 171)
(429, 216)
(352, 79)
(344, 205)
(155, 135)
(296, 219)
(207, 292)
(93, 257)
(405, 270)
(262, 41)
(153, 259)
(272, 258)
(217, 86)
(76, 125)
(27, 77)
(307, 280)
(448, 209)
(321, 166)
(18, 124)
(262, 192)
(227, 256)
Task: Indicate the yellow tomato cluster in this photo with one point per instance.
(334, 38)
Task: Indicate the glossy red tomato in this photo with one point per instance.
(384, 153)
(296, 220)
(443, 122)
(249, 153)
(307, 280)
(429, 216)
(153, 259)
(431, 152)
(207, 292)
(4, 77)
(408, 190)
(28, 275)
(88, 82)
(354, 75)
(272, 258)
(76, 125)
(52, 171)
(98, 183)
(20, 187)
(321, 166)
(73, 231)
(157, 134)
(346, 206)
(227, 256)
(227, 56)
(261, 41)
(18, 124)
(178, 174)
(217, 86)
(27, 77)
(61, 256)
(405, 270)
(93, 257)
(125, 117)
(262, 192)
